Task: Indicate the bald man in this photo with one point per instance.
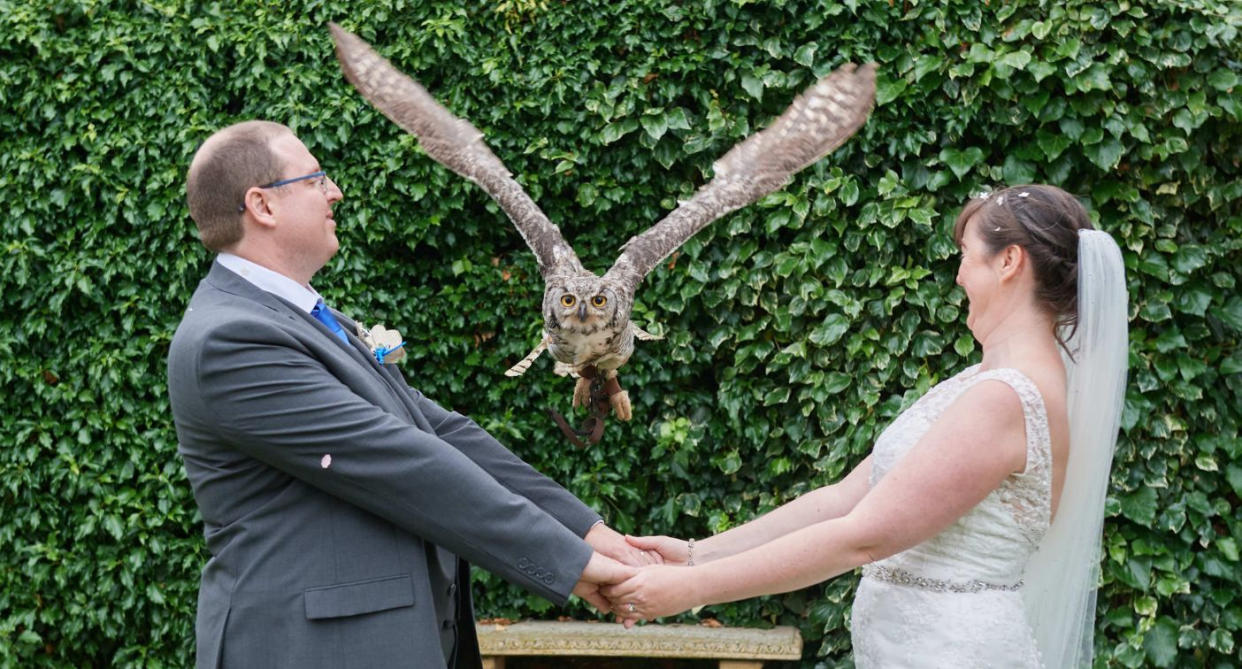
(341, 507)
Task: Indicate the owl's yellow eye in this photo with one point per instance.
(568, 300)
(599, 301)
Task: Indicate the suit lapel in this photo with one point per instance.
(226, 280)
(351, 331)
(397, 385)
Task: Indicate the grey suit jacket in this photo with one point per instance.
(336, 499)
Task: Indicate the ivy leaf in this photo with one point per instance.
(113, 525)
(1072, 127)
(922, 215)
(1233, 474)
(1160, 642)
(786, 266)
(887, 90)
(1223, 79)
(776, 396)
(1189, 257)
(1041, 70)
(1094, 78)
(1155, 265)
(961, 160)
(926, 344)
(1229, 548)
(1018, 171)
(1221, 639)
(1140, 506)
(1231, 313)
(1186, 120)
(805, 55)
(753, 85)
(964, 346)
(926, 64)
(836, 382)
(154, 594)
(887, 183)
(586, 197)
(1193, 301)
(655, 124)
(1105, 154)
(849, 192)
(1232, 365)
(1052, 144)
(1206, 462)
(830, 330)
(676, 119)
(1016, 59)
(614, 131)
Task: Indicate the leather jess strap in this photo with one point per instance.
(593, 427)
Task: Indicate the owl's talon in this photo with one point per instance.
(621, 405)
(582, 393)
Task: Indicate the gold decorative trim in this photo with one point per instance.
(613, 640)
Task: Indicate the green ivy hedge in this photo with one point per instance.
(796, 328)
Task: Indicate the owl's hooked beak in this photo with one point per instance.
(582, 311)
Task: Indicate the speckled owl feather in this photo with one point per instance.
(586, 316)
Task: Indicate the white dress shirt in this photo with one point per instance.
(303, 297)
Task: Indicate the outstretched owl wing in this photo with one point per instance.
(818, 121)
(452, 142)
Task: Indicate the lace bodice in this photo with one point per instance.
(954, 600)
(992, 542)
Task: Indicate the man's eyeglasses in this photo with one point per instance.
(320, 176)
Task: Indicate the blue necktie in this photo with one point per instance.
(324, 315)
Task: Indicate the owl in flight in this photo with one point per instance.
(586, 317)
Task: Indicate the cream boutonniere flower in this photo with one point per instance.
(386, 345)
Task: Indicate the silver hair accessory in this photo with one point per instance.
(1024, 194)
(1000, 201)
(983, 195)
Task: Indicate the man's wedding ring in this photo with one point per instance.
(629, 606)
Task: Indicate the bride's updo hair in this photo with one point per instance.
(1044, 221)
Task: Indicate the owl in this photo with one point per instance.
(586, 317)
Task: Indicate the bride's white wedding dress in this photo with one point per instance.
(955, 600)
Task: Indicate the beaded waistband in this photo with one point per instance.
(903, 577)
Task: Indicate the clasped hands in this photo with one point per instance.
(636, 578)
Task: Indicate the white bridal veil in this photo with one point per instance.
(1061, 577)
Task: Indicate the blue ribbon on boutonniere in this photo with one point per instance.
(382, 352)
(386, 345)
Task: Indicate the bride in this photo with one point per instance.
(977, 517)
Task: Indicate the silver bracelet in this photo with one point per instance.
(690, 552)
